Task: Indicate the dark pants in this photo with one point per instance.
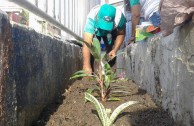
(108, 49)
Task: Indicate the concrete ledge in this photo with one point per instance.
(34, 69)
(165, 68)
(7, 86)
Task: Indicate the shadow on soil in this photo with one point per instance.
(140, 92)
(148, 117)
(48, 111)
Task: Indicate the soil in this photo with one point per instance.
(70, 109)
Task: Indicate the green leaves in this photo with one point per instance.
(106, 118)
(96, 48)
(81, 73)
(141, 34)
(99, 107)
(105, 76)
(119, 109)
(114, 99)
(94, 88)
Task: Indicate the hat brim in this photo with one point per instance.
(105, 25)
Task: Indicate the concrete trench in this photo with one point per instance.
(34, 68)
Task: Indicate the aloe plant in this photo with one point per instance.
(106, 118)
(104, 75)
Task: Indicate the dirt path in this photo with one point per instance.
(70, 109)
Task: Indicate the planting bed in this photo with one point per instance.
(71, 110)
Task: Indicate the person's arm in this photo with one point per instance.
(89, 31)
(135, 12)
(121, 28)
(119, 40)
(86, 53)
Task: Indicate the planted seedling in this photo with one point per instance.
(105, 116)
(104, 74)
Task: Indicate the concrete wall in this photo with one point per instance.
(34, 69)
(7, 84)
(165, 68)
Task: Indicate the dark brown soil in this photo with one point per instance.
(71, 110)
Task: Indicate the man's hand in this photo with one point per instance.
(112, 54)
(135, 12)
(119, 40)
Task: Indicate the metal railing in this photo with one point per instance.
(67, 15)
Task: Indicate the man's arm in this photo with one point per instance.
(86, 52)
(135, 11)
(119, 40)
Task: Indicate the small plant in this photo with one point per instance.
(106, 118)
(104, 75)
(122, 76)
(25, 17)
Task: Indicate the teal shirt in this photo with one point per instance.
(92, 27)
(134, 2)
